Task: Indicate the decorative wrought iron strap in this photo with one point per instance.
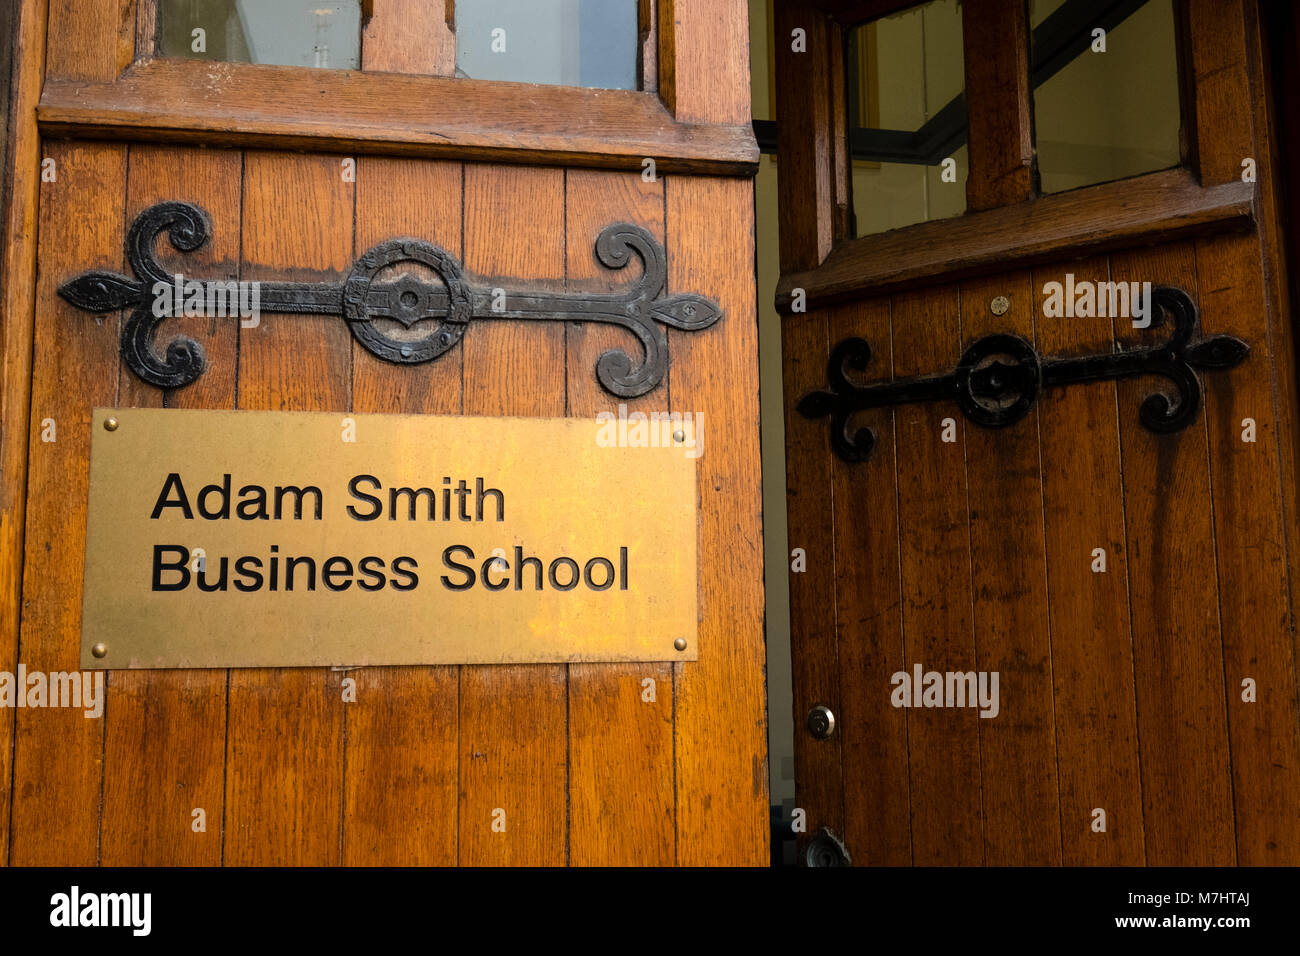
(999, 378)
(362, 297)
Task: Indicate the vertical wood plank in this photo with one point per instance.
(1277, 27)
(1250, 538)
(409, 36)
(947, 825)
(1177, 644)
(806, 88)
(513, 720)
(995, 38)
(164, 753)
(401, 749)
(85, 38)
(1092, 646)
(705, 60)
(1223, 131)
(648, 51)
(877, 804)
(58, 752)
(284, 776)
(17, 299)
(721, 730)
(146, 28)
(814, 635)
(621, 766)
(621, 809)
(666, 59)
(721, 727)
(128, 22)
(1277, 145)
(1018, 759)
(1245, 292)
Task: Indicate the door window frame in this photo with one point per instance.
(109, 84)
(822, 263)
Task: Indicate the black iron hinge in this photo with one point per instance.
(383, 314)
(1000, 376)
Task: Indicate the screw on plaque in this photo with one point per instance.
(999, 305)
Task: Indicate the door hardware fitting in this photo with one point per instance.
(821, 722)
(999, 378)
(381, 312)
(825, 849)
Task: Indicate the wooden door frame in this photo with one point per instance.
(97, 79)
(79, 78)
(110, 84)
(1281, 25)
(818, 254)
(1221, 52)
(17, 303)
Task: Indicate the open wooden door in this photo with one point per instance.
(990, 477)
(301, 169)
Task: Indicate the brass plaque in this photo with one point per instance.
(287, 539)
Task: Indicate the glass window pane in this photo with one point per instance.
(1103, 115)
(317, 33)
(558, 42)
(907, 117)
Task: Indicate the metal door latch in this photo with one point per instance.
(999, 378)
(382, 313)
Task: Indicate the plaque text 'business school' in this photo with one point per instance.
(255, 539)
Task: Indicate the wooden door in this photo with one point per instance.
(1132, 588)
(301, 170)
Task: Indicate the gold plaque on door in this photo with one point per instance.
(287, 539)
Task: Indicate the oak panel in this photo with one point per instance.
(410, 36)
(995, 40)
(1249, 535)
(165, 751)
(57, 751)
(25, 52)
(289, 107)
(935, 562)
(621, 800)
(285, 727)
(1160, 207)
(1018, 757)
(722, 781)
(401, 755)
(1092, 644)
(85, 36)
(1177, 643)
(877, 799)
(513, 736)
(813, 567)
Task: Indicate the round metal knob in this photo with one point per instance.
(825, 849)
(821, 722)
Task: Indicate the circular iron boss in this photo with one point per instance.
(447, 333)
(983, 379)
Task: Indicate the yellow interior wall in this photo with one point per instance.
(1115, 114)
(776, 550)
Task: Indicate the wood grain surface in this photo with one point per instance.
(1133, 590)
(58, 752)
